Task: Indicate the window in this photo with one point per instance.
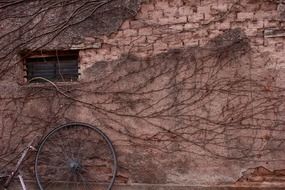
(57, 66)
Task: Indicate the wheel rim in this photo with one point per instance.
(76, 156)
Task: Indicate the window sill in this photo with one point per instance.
(47, 84)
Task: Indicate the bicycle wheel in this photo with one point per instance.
(75, 156)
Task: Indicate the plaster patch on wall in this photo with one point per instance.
(262, 174)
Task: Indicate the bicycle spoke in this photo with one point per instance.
(77, 155)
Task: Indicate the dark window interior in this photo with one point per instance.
(54, 66)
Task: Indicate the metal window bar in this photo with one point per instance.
(54, 68)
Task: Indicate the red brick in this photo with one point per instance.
(266, 15)
(175, 44)
(208, 17)
(205, 9)
(176, 3)
(116, 51)
(162, 5)
(125, 25)
(138, 40)
(196, 18)
(158, 46)
(155, 15)
(144, 48)
(191, 42)
(258, 41)
(171, 12)
(224, 25)
(146, 8)
(251, 32)
(268, 6)
(119, 34)
(177, 27)
(220, 7)
(253, 7)
(151, 39)
(172, 20)
(125, 41)
(98, 56)
(213, 33)
(185, 11)
(145, 31)
(130, 32)
(279, 46)
(256, 25)
(191, 26)
(268, 23)
(142, 54)
(136, 24)
(242, 16)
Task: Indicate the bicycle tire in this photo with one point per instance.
(76, 156)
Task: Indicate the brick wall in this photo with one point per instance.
(159, 27)
(162, 25)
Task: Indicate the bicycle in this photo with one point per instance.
(74, 156)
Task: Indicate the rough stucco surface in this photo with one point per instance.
(197, 88)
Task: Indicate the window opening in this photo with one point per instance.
(57, 66)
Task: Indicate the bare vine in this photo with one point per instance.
(204, 100)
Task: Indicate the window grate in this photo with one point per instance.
(57, 67)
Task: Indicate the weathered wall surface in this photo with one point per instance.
(191, 93)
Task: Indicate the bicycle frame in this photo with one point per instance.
(73, 166)
(17, 167)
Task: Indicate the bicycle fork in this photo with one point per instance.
(16, 170)
(21, 181)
